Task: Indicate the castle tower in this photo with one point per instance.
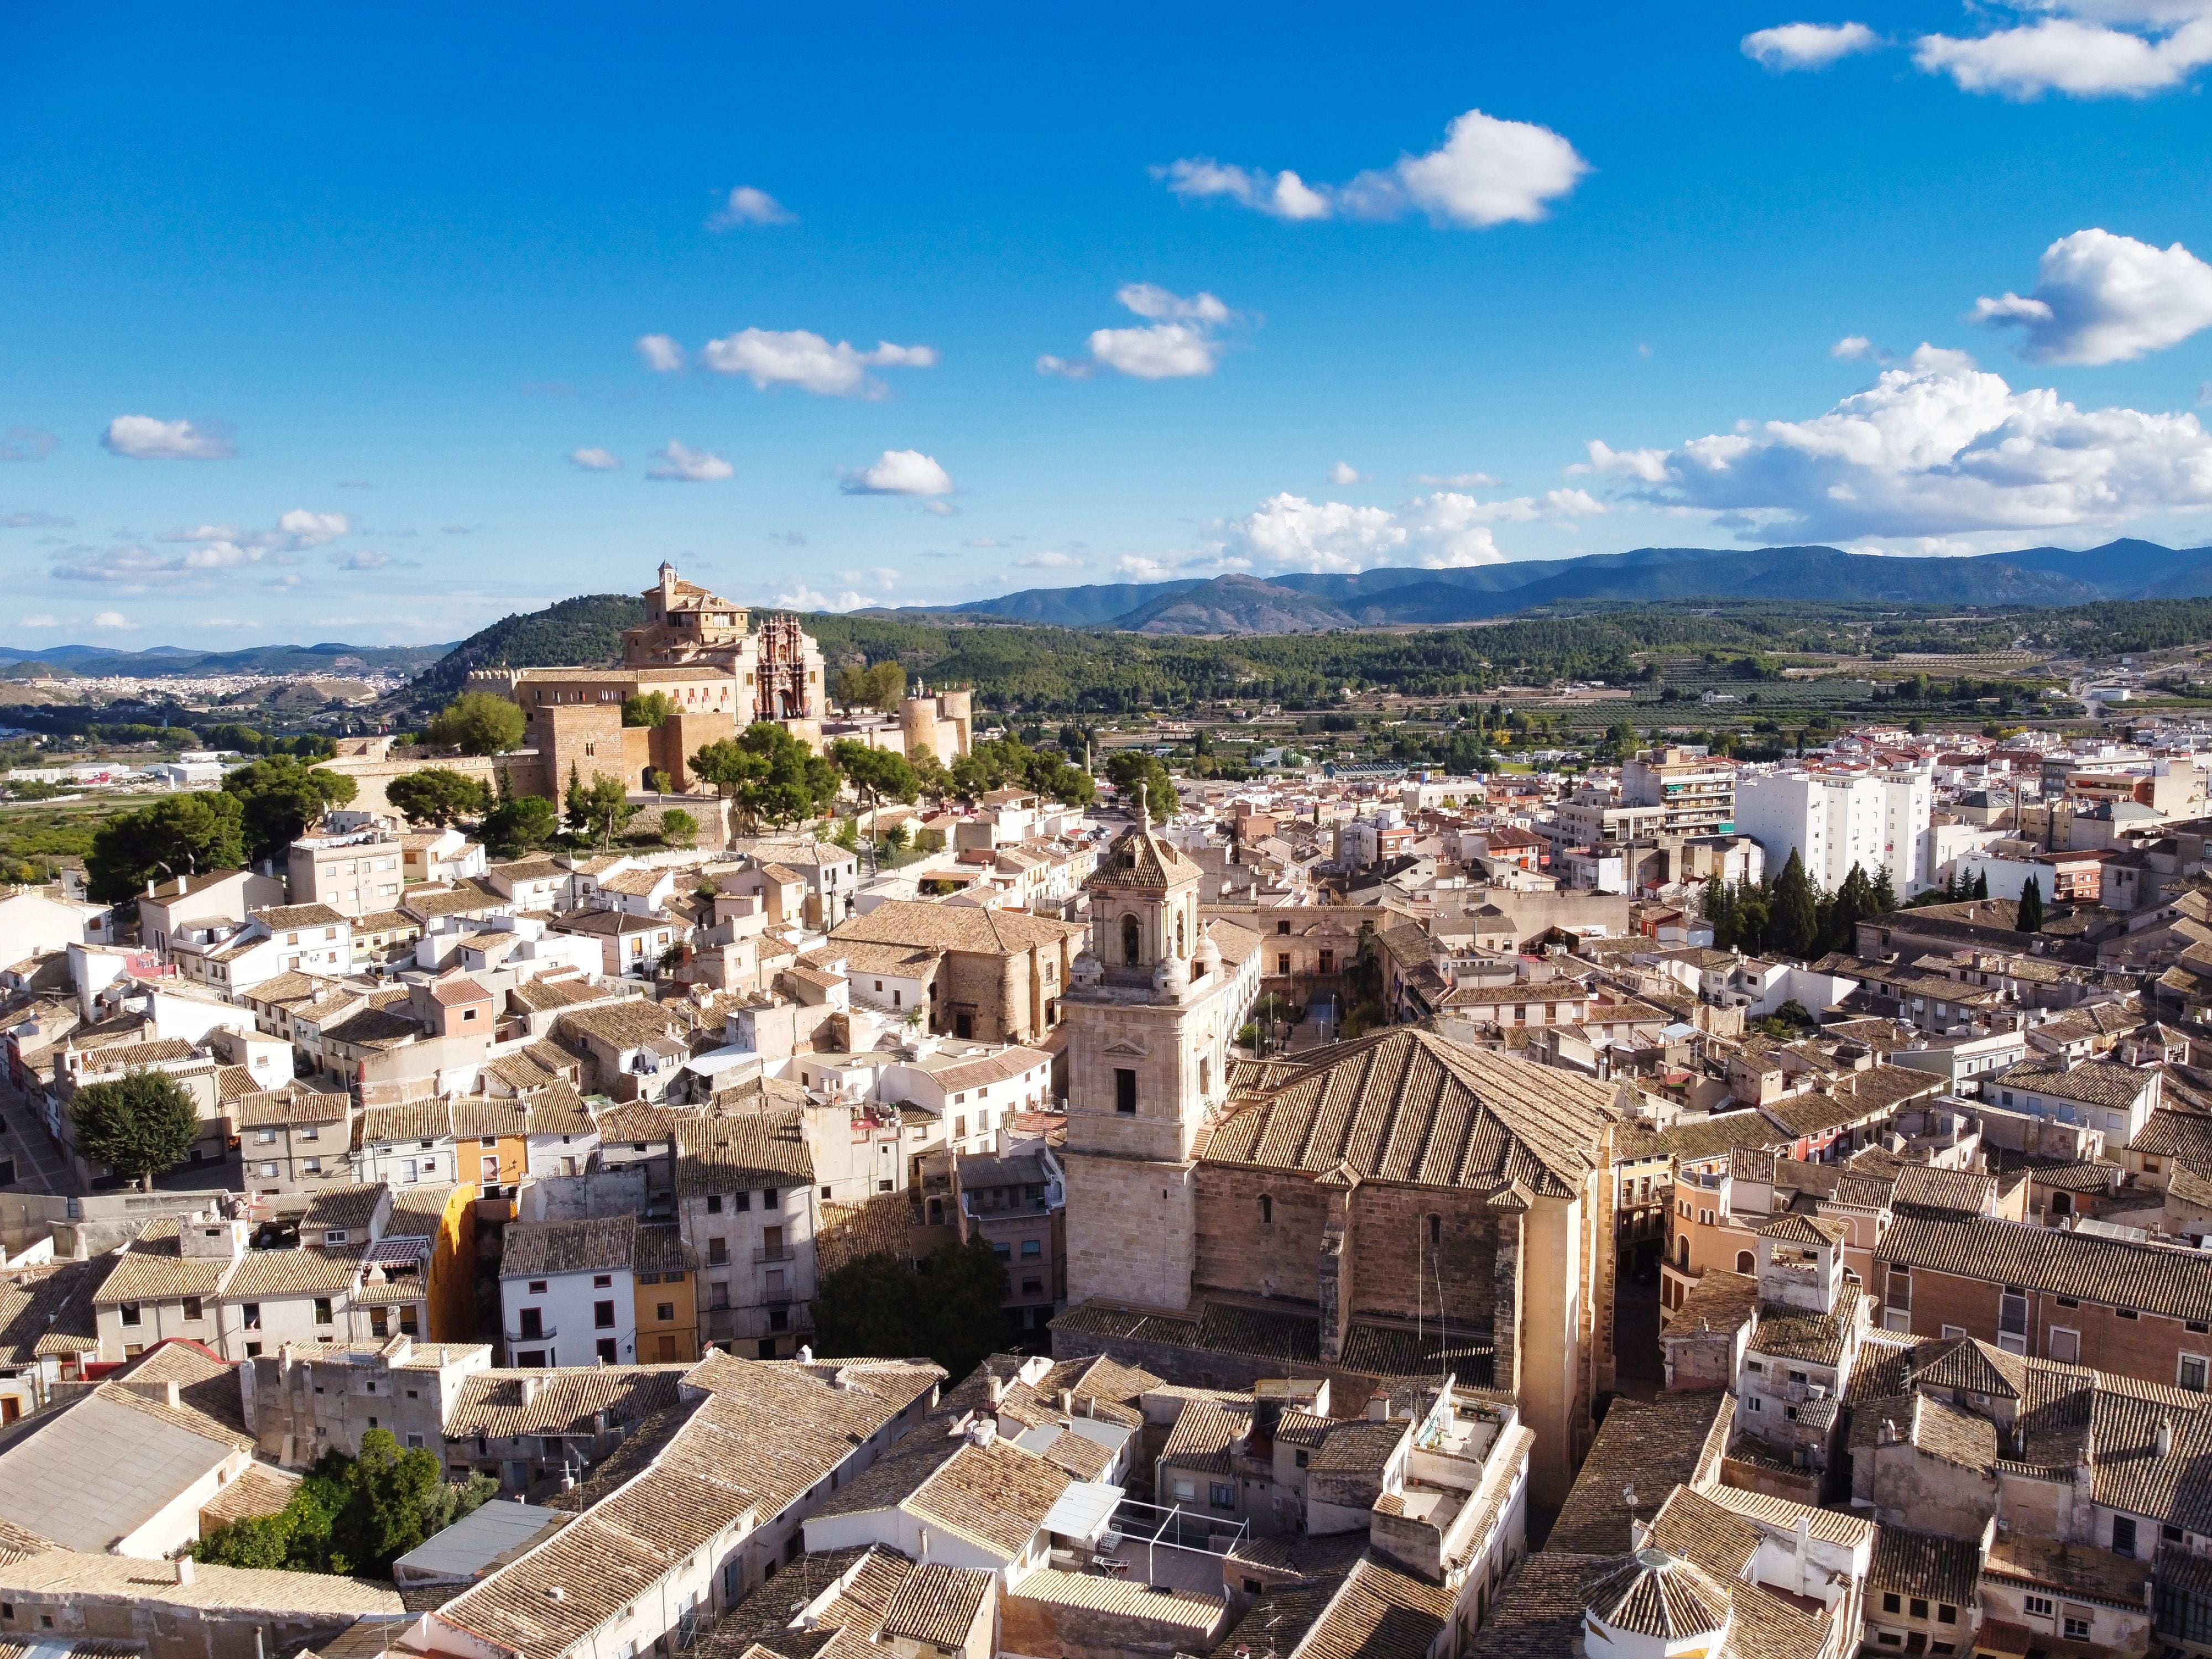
(1151, 1013)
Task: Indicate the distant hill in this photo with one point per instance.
(585, 630)
(1302, 603)
(170, 661)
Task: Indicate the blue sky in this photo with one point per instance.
(307, 316)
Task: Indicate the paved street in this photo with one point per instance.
(38, 1163)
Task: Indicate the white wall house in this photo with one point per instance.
(1836, 819)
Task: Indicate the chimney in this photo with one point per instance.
(529, 1390)
(173, 1398)
(2165, 1441)
(806, 1354)
(997, 1386)
(184, 1569)
(1067, 1402)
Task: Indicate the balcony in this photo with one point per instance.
(768, 1253)
(545, 1335)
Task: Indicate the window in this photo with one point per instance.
(251, 1313)
(1283, 927)
(1919, 1607)
(1266, 1210)
(742, 1201)
(1745, 1263)
(2077, 1630)
(322, 1311)
(130, 1311)
(602, 1281)
(714, 1204)
(602, 1316)
(2038, 1607)
(193, 1309)
(2065, 1345)
(1753, 1403)
(2190, 1372)
(1221, 1494)
(1945, 1613)
(1032, 1248)
(1132, 942)
(607, 1351)
(1893, 1602)
(1327, 962)
(1283, 962)
(769, 1196)
(718, 1252)
(665, 1312)
(1125, 1090)
(2124, 1535)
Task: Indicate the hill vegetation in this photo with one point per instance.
(585, 630)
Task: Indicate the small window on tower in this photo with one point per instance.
(1132, 941)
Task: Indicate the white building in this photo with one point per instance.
(568, 1290)
(1878, 821)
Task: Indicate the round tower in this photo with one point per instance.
(958, 706)
(918, 724)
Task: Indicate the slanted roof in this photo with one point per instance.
(101, 1469)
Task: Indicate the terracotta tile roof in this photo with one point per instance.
(2186, 1136)
(2109, 1272)
(416, 1119)
(1786, 1333)
(995, 1496)
(1962, 1191)
(2104, 1083)
(1696, 1527)
(296, 1102)
(630, 1024)
(1203, 1431)
(1407, 1106)
(221, 1592)
(1218, 1327)
(151, 1269)
(538, 1249)
(260, 1491)
(554, 1109)
(352, 1208)
(563, 1398)
(937, 1604)
(924, 925)
(291, 1273)
(1926, 1563)
(739, 1151)
(1653, 1445)
(48, 1312)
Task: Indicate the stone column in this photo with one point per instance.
(1510, 1211)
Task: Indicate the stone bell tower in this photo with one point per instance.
(1151, 1011)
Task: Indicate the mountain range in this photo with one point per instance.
(1303, 603)
(174, 661)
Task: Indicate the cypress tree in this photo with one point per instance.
(1794, 925)
(2030, 908)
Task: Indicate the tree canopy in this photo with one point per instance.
(439, 796)
(882, 685)
(283, 797)
(876, 775)
(650, 709)
(770, 776)
(137, 1125)
(520, 824)
(477, 723)
(1133, 767)
(1000, 763)
(953, 1310)
(177, 835)
(598, 809)
(351, 1515)
(2030, 919)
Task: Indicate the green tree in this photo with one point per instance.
(1133, 767)
(366, 1497)
(1618, 745)
(651, 709)
(138, 1125)
(769, 776)
(678, 828)
(177, 835)
(2030, 920)
(599, 809)
(659, 781)
(1852, 904)
(1795, 928)
(520, 824)
(953, 1310)
(477, 723)
(1981, 885)
(1882, 896)
(388, 1497)
(438, 795)
(876, 775)
(282, 798)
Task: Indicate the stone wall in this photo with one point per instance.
(1131, 1235)
(523, 769)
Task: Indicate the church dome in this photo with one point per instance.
(1086, 971)
(1169, 973)
(1206, 961)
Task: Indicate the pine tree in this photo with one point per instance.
(1981, 885)
(2030, 908)
(1795, 924)
(1883, 894)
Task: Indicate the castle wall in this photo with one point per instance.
(523, 769)
(1237, 1251)
(684, 735)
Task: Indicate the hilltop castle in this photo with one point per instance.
(703, 652)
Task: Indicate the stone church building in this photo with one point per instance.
(1393, 1206)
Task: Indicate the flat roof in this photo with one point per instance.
(477, 1539)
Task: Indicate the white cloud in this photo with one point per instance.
(676, 463)
(1182, 341)
(114, 621)
(1488, 172)
(1440, 532)
(1935, 446)
(2105, 299)
(1137, 568)
(142, 438)
(882, 575)
(368, 558)
(595, 460)
(300, 528)
(1048, 561)
(803, 598)
(296, 530)
(1851, 347)
(2084, 48)
(1456, 480)
(899, 472)
(660, 353)
(1345, 473)
(748, 206)
(798, 358)
(40, 619)
(27, 443)
(35, 520)
(985, 541)
(1807, 46)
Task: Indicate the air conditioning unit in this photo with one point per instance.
(1816, 1391)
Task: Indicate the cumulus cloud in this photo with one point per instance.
(35, 520)
(1807, 46)
(368, 558)
(676, 463)
(1182, 340)
(2084, 48)
(1048, 561)
(115, 622)
(1935, 446)
(660, 353)
(899, 472)
(1345, 473)
(142, 438)
(803, 598)
(2105, 299)
(595, 460)
(1486, 171)
(747, 206)
(134, 567)
(798, 358)
(295, 531)
(27, 443)
(1851, 347)
(1138, 568)
(38, 619)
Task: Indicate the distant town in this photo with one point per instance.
(738, 1147)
